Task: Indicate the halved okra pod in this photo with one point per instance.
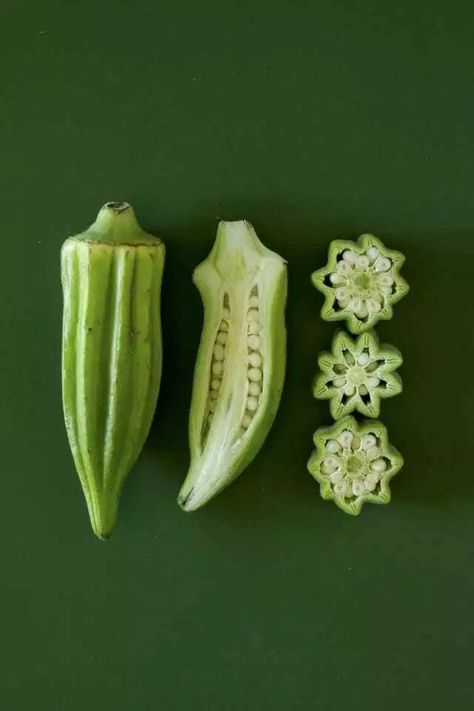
(112, 353)
(240, 365)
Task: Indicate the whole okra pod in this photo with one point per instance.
(112, 353)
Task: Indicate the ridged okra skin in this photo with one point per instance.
(112, 353)
(240, 367)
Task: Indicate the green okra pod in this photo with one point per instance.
(112, 353)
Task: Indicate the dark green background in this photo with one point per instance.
(313, 120)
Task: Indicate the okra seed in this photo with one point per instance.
(373, 381)
(217, 368)
(358, 488)
(254, 389)
(336, 478)
(372, 478)
(379, 465)
(349, 389)
(253, 342)
(349, 256)
(222, 337)
(253, 328)
(368, 441)
(342, 293)
(372, 453)
(355, 444)
(224, 326)
(336, 279)
(363, 262)
(215, 384)
(343, 267)
(363, 358)
(213, 395)
(255, 359)
(385, 280)
(350, 360)
(339, 382)
(246, 420)
(382, 264)
(345, 438)
(254, 375)
(333, 446)
(373, 305)
(330, 465)
(369, 484)
(252, 315)
(219, 352)
(385, 289)
(361, 311)
(252, 404)
(372, 253)
(363, 390)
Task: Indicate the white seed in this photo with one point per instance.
(379, 465)
(253, 342)
(253, 328)
(363, 390)
(358, 488)
(347, 491)
(382, 264)
(355, 443)
(369, 484)
(343, 267)
(336, 478)
(372, 479)
(333, 446)
(363, 262)
(384, 280)
(372, 253)
(255, 359)
(340, 489)
(349, 389)
(373, 381)
(252, 315)
(226, 314)
(212, 405)
(356, 304)
(339, 382)
(221, 338)
(215, 384)
(373, 305)
(372, 453)
(345, 438)
(219, 352)
(217, 367)
(213, 395)
(385, 290)
(253, 302)
(223, 326)
(349, 256)
(330, 465)
(362, 310)
(252, 404)
(368, 441)
(363, 358)
(337, 279)
(342, 293)
(344, 303)
(254, 375)
(254, 389)
(246, 420)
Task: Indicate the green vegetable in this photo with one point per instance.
(240, 365)
(354, 463)
(111, 360)
(361, 282)
(357, 374)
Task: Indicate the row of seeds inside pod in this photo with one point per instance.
(254, 361)
(217, 363)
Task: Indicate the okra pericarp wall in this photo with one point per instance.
(111, 361)
(240, 366)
